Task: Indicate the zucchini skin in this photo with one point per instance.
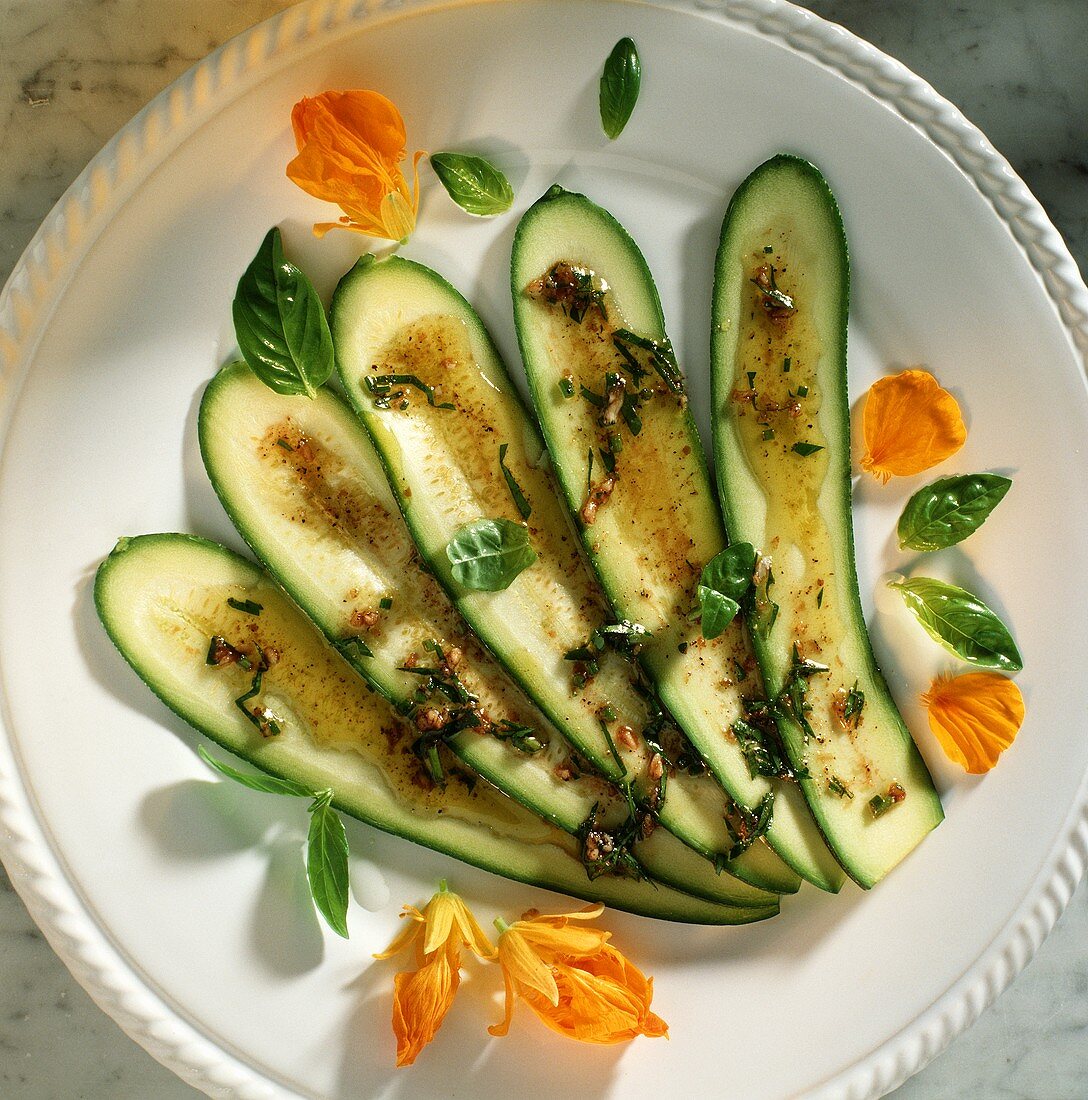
(235, 404)
(588, 231)
(354, 332)
(870, 855)
(550, 865)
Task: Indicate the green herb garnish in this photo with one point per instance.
(566, 386)
(385, 603)
(802, 391)
(961, 623)
(620, 83)
(521, 501)
(747, 826)
(474, 183)
(725, 582)
(250, 607)
(880, 804)
(381, 387)
(806, 449)
(280, 323)
(836, 786)
(853, 705)
(768, 434)
(948, 510)
(326, 847)
(488, 554)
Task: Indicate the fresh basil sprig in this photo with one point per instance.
(474, 183)
(620, 83)
(961, 623)
(725, 581)
(280, 323)
(488, 554)
(948, 510)
(326, 846)
(327, 862)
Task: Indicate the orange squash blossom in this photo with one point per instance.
(574, 980)
(975, 717)
(910, 424)
(422, 997)
(350, 147)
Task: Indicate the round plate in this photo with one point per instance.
(179, 903)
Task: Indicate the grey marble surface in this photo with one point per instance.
(72, 72)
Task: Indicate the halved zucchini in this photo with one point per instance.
(423, 374)
(301, 482)
(164, 598)
(782, 449)
(611, 398)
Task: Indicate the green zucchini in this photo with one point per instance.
(650, 539)
(782, 452)
(162, 598)
(303, 486)
(439, 441)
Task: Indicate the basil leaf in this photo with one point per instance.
(731, 571)
(475, 184)
(948, 510)
(268, 784)
(327, 863)
(280, 323)
(488, 554)
(717, 611)
(961, 623)
(620, 84)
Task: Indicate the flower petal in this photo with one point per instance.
(525, 966)
(421, 999)
(910, 424)
(413, 927)
(975, 717)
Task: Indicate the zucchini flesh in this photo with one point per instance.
(398, 318)
(649, 541)
(783, 232)
(302, 484)
(161, 597)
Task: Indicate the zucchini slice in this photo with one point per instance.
(302, 484)
(422, 373)
(163, 597)
(605, 383)
(782, 451)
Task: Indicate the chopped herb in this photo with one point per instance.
(880, 804)
(632, 364)
(574, 289)
(593, 398)
(820, 597)
(761, 753)
(605, 851)
(222, 653)
(284, 444)
(775, 302)
(521, 501)
(385, 603)
(250, 607)
(792, 698)
(802, 391)
(566, 386)
(609, 460)
(739, 671)
(786, 364)
(682, 648)
(764, 611)
(353, 648)
(382, 389)
(607, 713)
(806, 449)
(523, 738)
(768, 434)
(629, 412)
(747, 826)
(853, 705)
(612, 745)
(261, 717)
(836, 786)
(751, 379)
(662, 357)
(768, 249)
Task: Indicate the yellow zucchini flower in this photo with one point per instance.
(574, 980)
(422, 997)
(910, 424)
(350, 147)
(975, 717)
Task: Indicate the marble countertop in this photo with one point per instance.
(72, 72)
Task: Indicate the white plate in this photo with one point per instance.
(180, 903)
